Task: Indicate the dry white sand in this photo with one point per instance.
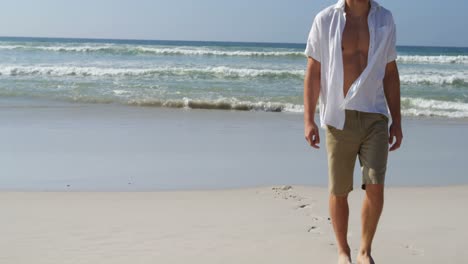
(261, 225)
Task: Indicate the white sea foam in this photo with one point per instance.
(421, 77)
(428, 107)
(410, 106)
(82, 48)
(221, 103)
(439, 77)
(441, 59)
(212, 51)
(121, 92)
(156, 50)
(220, 71)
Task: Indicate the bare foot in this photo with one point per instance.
(365, 259)
(344, 258)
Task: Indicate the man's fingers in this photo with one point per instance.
(312, 136)
(310, 139)
(314, 143)
(397, 143)
(390, 138)
(394, 147)
(315, 139)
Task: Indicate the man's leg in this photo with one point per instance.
(339, 212)
(371, 211)
(373, 156)
(342, 148)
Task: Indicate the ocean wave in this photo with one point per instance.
(429, 107)
(135, 50)
(410, 106)
(427, 78)
(435, 78)
(211, 51)
(441, 59)
(222, 104)
(220, 71)
(214, 52)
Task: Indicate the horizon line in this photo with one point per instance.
(212, 41)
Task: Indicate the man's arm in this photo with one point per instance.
(311, 95)
(391, 83)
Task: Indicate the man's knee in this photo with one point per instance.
(339, 199)
(375, 191)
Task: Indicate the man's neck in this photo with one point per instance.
(357, 8)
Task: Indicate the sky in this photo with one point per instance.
(419, 22)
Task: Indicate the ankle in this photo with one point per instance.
(344, 251)
(364, 252)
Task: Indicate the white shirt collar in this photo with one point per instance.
(341, 5)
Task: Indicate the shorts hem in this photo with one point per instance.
(363, 186)
(341, 193)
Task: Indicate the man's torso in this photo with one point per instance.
(353, 56)
(355, 50)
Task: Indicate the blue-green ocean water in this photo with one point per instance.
(211, 75)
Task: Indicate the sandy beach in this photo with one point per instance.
(119, 184)
(257, 225)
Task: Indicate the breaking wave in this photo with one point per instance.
(135, 50)
(442, 59)
(435, 78)
(212, 51)
(428, 78)
(428, 107)
(220, 71)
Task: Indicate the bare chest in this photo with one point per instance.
(355, 39)
(355, 47)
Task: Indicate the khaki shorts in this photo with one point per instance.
(364, 135)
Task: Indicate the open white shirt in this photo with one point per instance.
(366, 94)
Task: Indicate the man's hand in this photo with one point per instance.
(391, 84)
(311, 95)
(395, 132)
(312, 134)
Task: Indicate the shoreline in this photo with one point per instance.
(118, 148)
(33, 102)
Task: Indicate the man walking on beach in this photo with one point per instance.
(351, 67)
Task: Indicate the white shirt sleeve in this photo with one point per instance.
(392, 53)
(313, 42)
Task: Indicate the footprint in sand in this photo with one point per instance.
(280, 191)
(302, 206)
(413, 250)
(282, 188)
(314, 230)
(286, 192)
